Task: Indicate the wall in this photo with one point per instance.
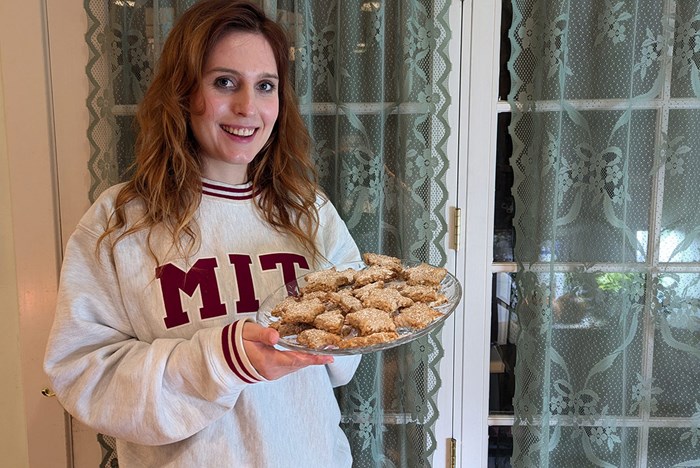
(33, 429)
(13, 440)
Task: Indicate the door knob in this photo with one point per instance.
(47, 392)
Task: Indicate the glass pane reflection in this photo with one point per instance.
(504, 329)
(503, 231)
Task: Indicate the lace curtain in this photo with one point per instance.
(606, 159)
(371, 78)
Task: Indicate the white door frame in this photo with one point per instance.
(473, 115)
(67, 24)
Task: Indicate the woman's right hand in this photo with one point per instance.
(270, 362)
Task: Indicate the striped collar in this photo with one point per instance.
(230, 192)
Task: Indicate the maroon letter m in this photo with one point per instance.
(202, 275)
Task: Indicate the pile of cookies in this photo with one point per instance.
(357, 308)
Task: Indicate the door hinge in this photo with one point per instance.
(456, 227)
(452, 448)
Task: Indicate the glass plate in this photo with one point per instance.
(449, 286)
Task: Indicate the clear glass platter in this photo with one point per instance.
(449, 286)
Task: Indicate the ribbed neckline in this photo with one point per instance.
(217, 189)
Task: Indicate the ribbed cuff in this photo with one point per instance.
(234, 352)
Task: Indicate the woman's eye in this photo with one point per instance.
(224, 82)
(267, 86)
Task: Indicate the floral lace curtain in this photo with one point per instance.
(606, 157)
(371, 77)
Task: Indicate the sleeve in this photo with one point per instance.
(336, 243)
(338, 247)
(151, 393)
(342, 369)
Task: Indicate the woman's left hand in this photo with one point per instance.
(270, 362)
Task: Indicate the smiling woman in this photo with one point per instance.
(164, 272)
(373, 87)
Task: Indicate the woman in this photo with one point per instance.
(152, 341)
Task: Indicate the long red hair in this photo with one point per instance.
(167, 175)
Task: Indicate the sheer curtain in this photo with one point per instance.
(606, 157)
(371, 77)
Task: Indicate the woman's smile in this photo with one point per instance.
(237, 131)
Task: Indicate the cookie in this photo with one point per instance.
(417, 316)
(302, 311)
(320, 295)
(279, 309)
(289, 329)
(317, 339)
(423, 293)
(345, 300)
(386, 299)
(326, 280)
(363, 291)
(374, 273)
(424, 274)
(368, 321)
(331, 321)
(369, 340)
(385, 261)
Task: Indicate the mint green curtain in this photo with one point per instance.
(606, 156)
(369, 75)
(371, 78)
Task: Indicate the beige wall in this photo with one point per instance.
(32, 432)
(13, 430)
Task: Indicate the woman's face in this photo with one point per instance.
(236, 107)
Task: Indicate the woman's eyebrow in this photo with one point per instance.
(237, 73)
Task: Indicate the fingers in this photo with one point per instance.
(298, 360)
(281, 363)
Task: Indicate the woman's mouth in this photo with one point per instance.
(238, 131)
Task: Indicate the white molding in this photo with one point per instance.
(68, 50)
(477, 162)
(448, 401)
(471, 182)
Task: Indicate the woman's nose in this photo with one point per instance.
(244, 101)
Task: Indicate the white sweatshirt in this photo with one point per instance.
(144, 352)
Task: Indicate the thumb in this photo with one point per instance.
(257, 333)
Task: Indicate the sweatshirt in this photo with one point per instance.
(145, 352)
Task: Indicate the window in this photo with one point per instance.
(652, 404)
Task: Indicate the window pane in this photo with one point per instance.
(504, 76)
(593, 200)
(503, 335)
(503, 232)
(679, 219)
(500, 447)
